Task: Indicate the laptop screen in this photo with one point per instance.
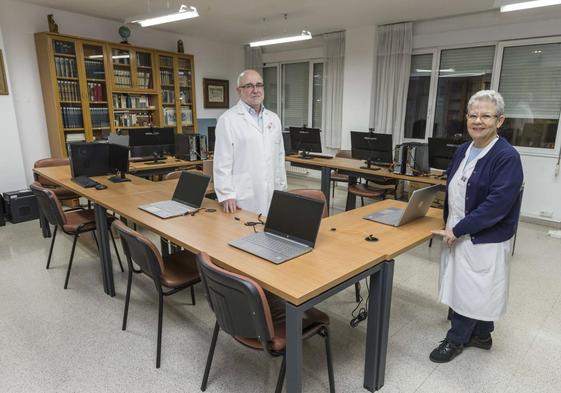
(294, 217)
(191, 189)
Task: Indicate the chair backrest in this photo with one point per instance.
(177, 174)
(141, 251)
(239, 303)
(313, 194)
(49, 204)
(47, 162)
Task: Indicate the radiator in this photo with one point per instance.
(295, 170)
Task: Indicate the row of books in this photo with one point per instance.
(100, 117)
(137, 119)
(72, 117)
(184, 81)
(170, 118)
(64, 47)
(65, 67)
(143, 59)
(75, 137)
(184, 97)
(144, 79)
(95, 91)
(166, 62)
(130, 101)
(166, 77)
(94, 69)
(69, 90)
(168, 96)
(123, 78)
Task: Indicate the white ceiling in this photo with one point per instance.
(241, 21)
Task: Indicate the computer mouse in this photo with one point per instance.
(100, 186)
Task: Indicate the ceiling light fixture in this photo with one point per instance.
(305, 35)
(528, 4)
(158, 18)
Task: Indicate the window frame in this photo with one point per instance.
(495, 80)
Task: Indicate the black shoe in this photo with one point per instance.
(445, 352)
(478, 342)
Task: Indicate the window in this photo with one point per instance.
(418, 96)
(462, 73)
(299, 100)
(530, 83)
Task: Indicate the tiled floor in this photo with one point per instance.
(52, 340)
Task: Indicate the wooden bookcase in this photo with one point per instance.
(92, 88)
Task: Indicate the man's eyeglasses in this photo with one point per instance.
(251, 86)
(484, 117)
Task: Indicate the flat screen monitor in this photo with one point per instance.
(441, 151)
(118, 158)
(305, 139)
(286, 142)
(211, 131)
(373, 147)
(89, 159)
(147, 141)
(122, 140)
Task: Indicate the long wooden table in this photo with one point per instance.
(341, 258)
(354, 168)
(149, 168)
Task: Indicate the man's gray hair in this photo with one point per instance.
(489, 95)
(240, 76)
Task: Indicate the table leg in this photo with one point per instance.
(326, 183)
(104, 250)
(293, 349)
(379, 305)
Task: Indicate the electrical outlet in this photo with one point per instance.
(546, 213)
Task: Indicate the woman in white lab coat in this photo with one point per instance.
(481, 211)
(249, 151)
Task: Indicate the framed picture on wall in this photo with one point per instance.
(3, 80)
(216, 93)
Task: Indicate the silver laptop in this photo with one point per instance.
(187, 197)
(290, 231)
(417, 207)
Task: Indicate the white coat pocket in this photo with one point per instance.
(243, 186)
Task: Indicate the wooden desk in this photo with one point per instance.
(340, 259)
(352, 167)
(168, 165)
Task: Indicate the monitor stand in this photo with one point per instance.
(370, 166)
(305, 155)
(119, 179)
(157, 160)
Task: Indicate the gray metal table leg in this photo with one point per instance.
(104, 250)
(379, 305)
(326, 183)
(293, 349)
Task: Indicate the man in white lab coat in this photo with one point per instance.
(249, 151)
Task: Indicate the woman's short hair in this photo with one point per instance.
(491, 96)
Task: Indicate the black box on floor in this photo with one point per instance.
(2, 216)
(20, 206)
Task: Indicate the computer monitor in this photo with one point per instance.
(118, 160)
(89, 159)
(305, 139)
(149, 141)
(374, 148)
(211, 132)
(286, 142)
(441, 151)
(116, 139)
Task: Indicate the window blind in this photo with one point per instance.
(295, 102)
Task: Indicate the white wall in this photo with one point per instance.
(19, 21)
(12, 174)
(543, 187)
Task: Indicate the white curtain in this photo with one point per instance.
(254, 59)
(334, 46)
(395, 44)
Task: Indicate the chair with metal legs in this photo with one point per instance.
(175, 272)
(254, 318)
(73, 222)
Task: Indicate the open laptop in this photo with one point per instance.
(417, 207)
(290, 231)
(187, 197)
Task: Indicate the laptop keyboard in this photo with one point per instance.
(172, 207)
(278, 245)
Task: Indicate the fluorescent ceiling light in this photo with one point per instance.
(305, 35)
(184, 12)
(529, 4)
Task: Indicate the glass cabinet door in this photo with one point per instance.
(167, 88)
(144, 72)
(184, 78)
(94, 63)
(121, 62)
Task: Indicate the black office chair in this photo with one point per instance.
(73, 222)
(176, 272)
(254, 318)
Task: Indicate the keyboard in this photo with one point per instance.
(273, 243)
(84, 181)
(317, 155)
(146, 158)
